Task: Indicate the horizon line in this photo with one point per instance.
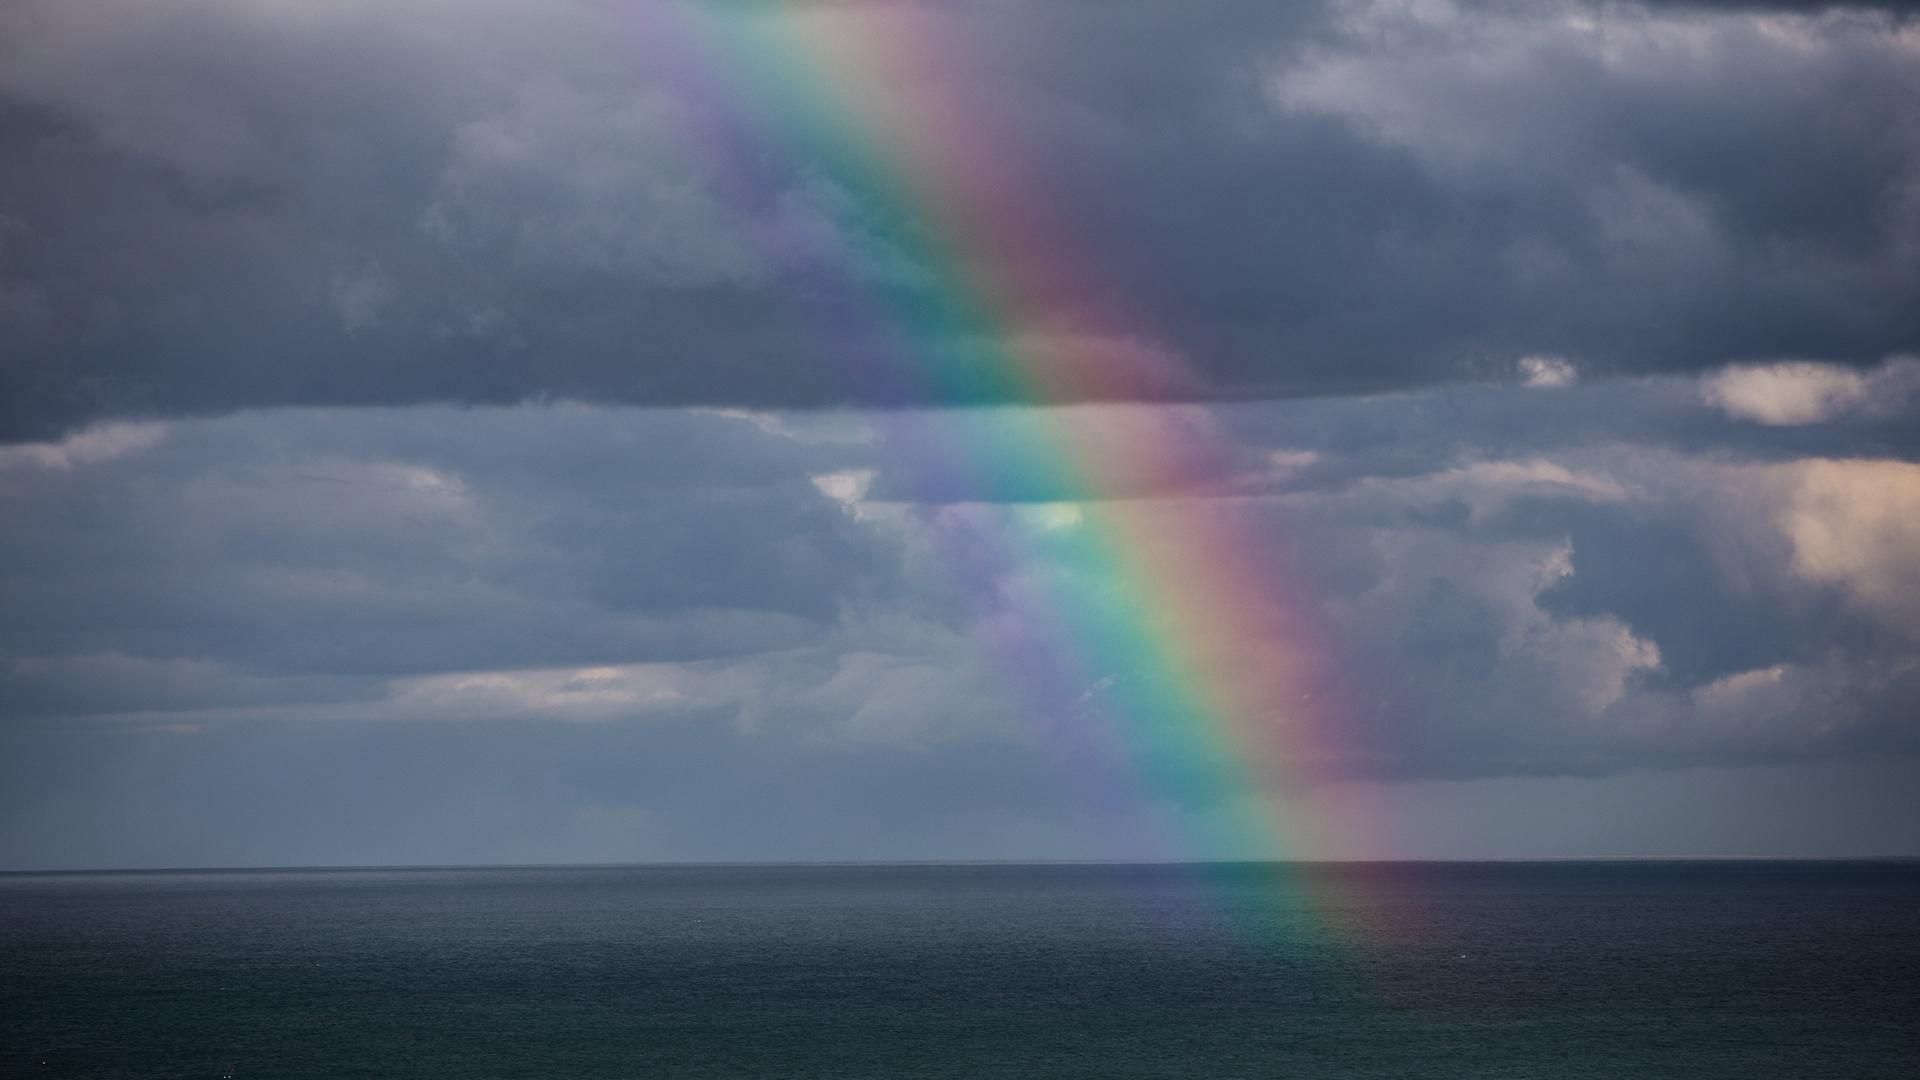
(747, 864)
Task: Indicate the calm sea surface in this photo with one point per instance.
(1555, 971)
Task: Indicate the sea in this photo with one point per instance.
(1544, 971)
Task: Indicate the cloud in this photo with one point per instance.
(412, 543)
(177, 690)
(712, 552)
(1789, 393)
(1508, 581)
(561, 180)
(848, 486)
(1856, 525)
(599, 693)
(1548, 372)
(551, 622)
(1486, 488)
(359, 299)
(595, 202)
(89, 446)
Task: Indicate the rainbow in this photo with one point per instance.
(1159, 645)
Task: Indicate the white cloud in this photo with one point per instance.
(1535, 477)
(1479, 649)
(1599, 657)
(1485, 487)
(1855, 524)
(1789, 706)
(594, 693)
(823, 429)
(1738, 692)
(1797, 392)
(1474, 648)
(847, 487)
(92, 446)
(1548, 372)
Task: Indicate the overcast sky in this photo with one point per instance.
(418, 442)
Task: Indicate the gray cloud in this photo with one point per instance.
(202, 213)
(356, 552)
(1586, 589)
(611, 633)
(465, 432)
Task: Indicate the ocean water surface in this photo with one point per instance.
(1552, 971)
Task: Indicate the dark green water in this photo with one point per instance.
(1743, 970)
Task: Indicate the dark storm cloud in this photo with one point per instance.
(226, 203)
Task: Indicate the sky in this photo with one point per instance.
(688, 430)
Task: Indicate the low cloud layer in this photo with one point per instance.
(1613, 582)
(230, 203)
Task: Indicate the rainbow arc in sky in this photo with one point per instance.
(1150, 628)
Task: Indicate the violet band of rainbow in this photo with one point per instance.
(1157, 639)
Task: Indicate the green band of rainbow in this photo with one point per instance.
(1160, 622)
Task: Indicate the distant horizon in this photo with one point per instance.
(907, 863)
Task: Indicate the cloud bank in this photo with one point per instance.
(1589, 588)
(481, 431)
(504, 202)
